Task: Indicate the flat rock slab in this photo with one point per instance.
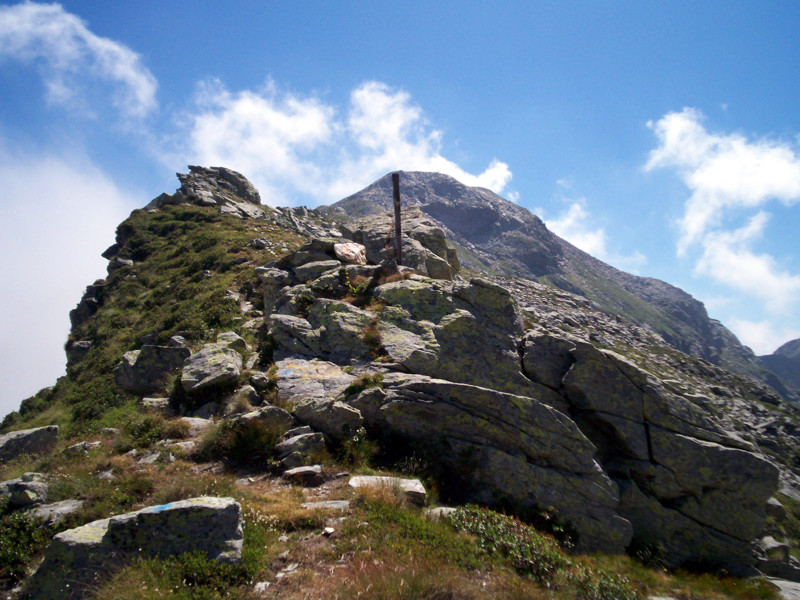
(299, 377)
(327, 505)
(789, 590)
(56, 512)
(412, 489)
(77, 558)
(27, 441)
(310, 476)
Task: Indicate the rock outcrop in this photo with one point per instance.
(76, 558)
(27, 441)
(216, 186)
(523, 419)
(148, 369)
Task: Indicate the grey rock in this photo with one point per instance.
(57, 511)
(196, 425)
(305, 444)
(302, 378)
(297, 431)
(77, 351)
(241, 401)
(312, 270)
(411, 489)
(23, 492)
(333, 331)
(327, 505)
(273, 417)
(76, 558)
(83, 447)
(333, 418)
(155, 403)
(34, 442)
(215, 365)
(148, 370)
(504, 447)
(775, 510)
(308, 476)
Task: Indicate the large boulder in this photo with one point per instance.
(27, 441)
(24, 492)
(333, 418)
(216, 365)
(301, 378)
(148, 370)
(694, 490)
(502, 447)
(462, 332)
(78, 558)
(334, 330)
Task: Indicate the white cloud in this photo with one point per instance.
(294, 147)
(729, 176)
(575, 225)
(723, 172)
(727, 258)
(763, 337)
(57, 216)
(70, 57)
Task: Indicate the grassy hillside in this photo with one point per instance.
(193, 275)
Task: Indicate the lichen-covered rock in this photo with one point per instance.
(333, 418)
(273, 417)
(693, 489)
(504, 447)
(148, 370)
(334, 330)
(27, 441)
(215, 365)
(312, 270)
(463, 332)
(23, 492)
(301, 378)
(57, 511)
(77, 558)
(301, 447)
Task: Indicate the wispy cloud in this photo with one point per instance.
(299, 147)
(729, 176)
(71, 59)
(575, 224)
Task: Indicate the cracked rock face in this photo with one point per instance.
(685, 484)
(535, 418)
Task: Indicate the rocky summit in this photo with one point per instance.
(273, 348)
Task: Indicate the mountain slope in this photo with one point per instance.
(498, 237)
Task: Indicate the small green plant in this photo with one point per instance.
(249, 442)
(358, 450)
(362, 383)
(22, 538)
(532, 553)
(599, 584)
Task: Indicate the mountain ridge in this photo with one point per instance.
(500, 237)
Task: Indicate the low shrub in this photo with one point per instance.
(22, 538)
(532, 553)
(250, 442)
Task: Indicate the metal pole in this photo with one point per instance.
(396, 193)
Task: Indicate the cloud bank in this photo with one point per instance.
(59, 215)
(732, 181)
(299, 147)
(71, 59)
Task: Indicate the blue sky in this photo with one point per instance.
(661, 137)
